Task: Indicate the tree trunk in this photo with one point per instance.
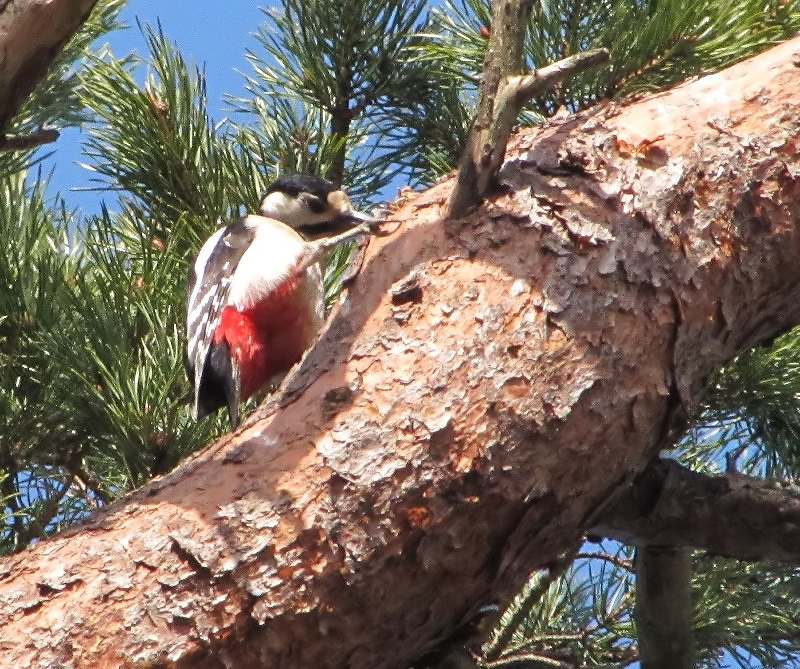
(663, 611)
(32, 33)
(488, 387)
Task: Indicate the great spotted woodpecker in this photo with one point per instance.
(255, 294)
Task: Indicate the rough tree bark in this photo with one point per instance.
(488, 388)
(32, 33)
(729, 514)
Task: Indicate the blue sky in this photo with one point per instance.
(215, 35)
(204, 34)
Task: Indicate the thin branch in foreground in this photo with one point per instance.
(624, 565)
(26, 142)
(532, 659)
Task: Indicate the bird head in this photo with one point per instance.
(311, 205)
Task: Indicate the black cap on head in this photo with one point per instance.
(294, 184)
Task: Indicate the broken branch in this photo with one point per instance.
(730, 514)
(25, 142)
(486, 144)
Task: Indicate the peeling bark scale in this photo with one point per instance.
(449, 439)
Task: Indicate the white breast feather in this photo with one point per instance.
(274, 252)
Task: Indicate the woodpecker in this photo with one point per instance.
(255, 299)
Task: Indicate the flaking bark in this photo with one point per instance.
(442, 442)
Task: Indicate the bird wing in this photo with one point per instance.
(207, 292)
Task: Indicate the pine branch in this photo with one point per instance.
(44, 515)
(663, 611)
(730, 514)
(14, 524)
(354, 64)
(26, 142)
(521, 609)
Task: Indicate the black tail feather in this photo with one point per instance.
(220, 384)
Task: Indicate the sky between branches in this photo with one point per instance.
(212, 35)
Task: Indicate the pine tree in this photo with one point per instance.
(93, 392)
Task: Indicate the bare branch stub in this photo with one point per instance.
(504, 57)
(23, 143)
(504, 92)
(730, 514)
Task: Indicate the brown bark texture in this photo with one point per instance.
(663, 611)
(729, 514)
(487, 388)
(32, 33)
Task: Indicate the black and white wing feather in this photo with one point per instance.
(207, 294)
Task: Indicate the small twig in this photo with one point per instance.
(530, 659)
(625, 565)
(11, 498)
(732, 458)
(85, 492)
(37, 525)
(543, 640)
(91, 484)
(524, 87)
(25, 142)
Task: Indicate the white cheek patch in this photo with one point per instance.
(294, 212)
(284, 208)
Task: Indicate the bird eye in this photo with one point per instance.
(313, 202)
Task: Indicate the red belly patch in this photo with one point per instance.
(268, 338)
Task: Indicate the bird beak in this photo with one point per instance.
(357, 218)
(349, 219)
